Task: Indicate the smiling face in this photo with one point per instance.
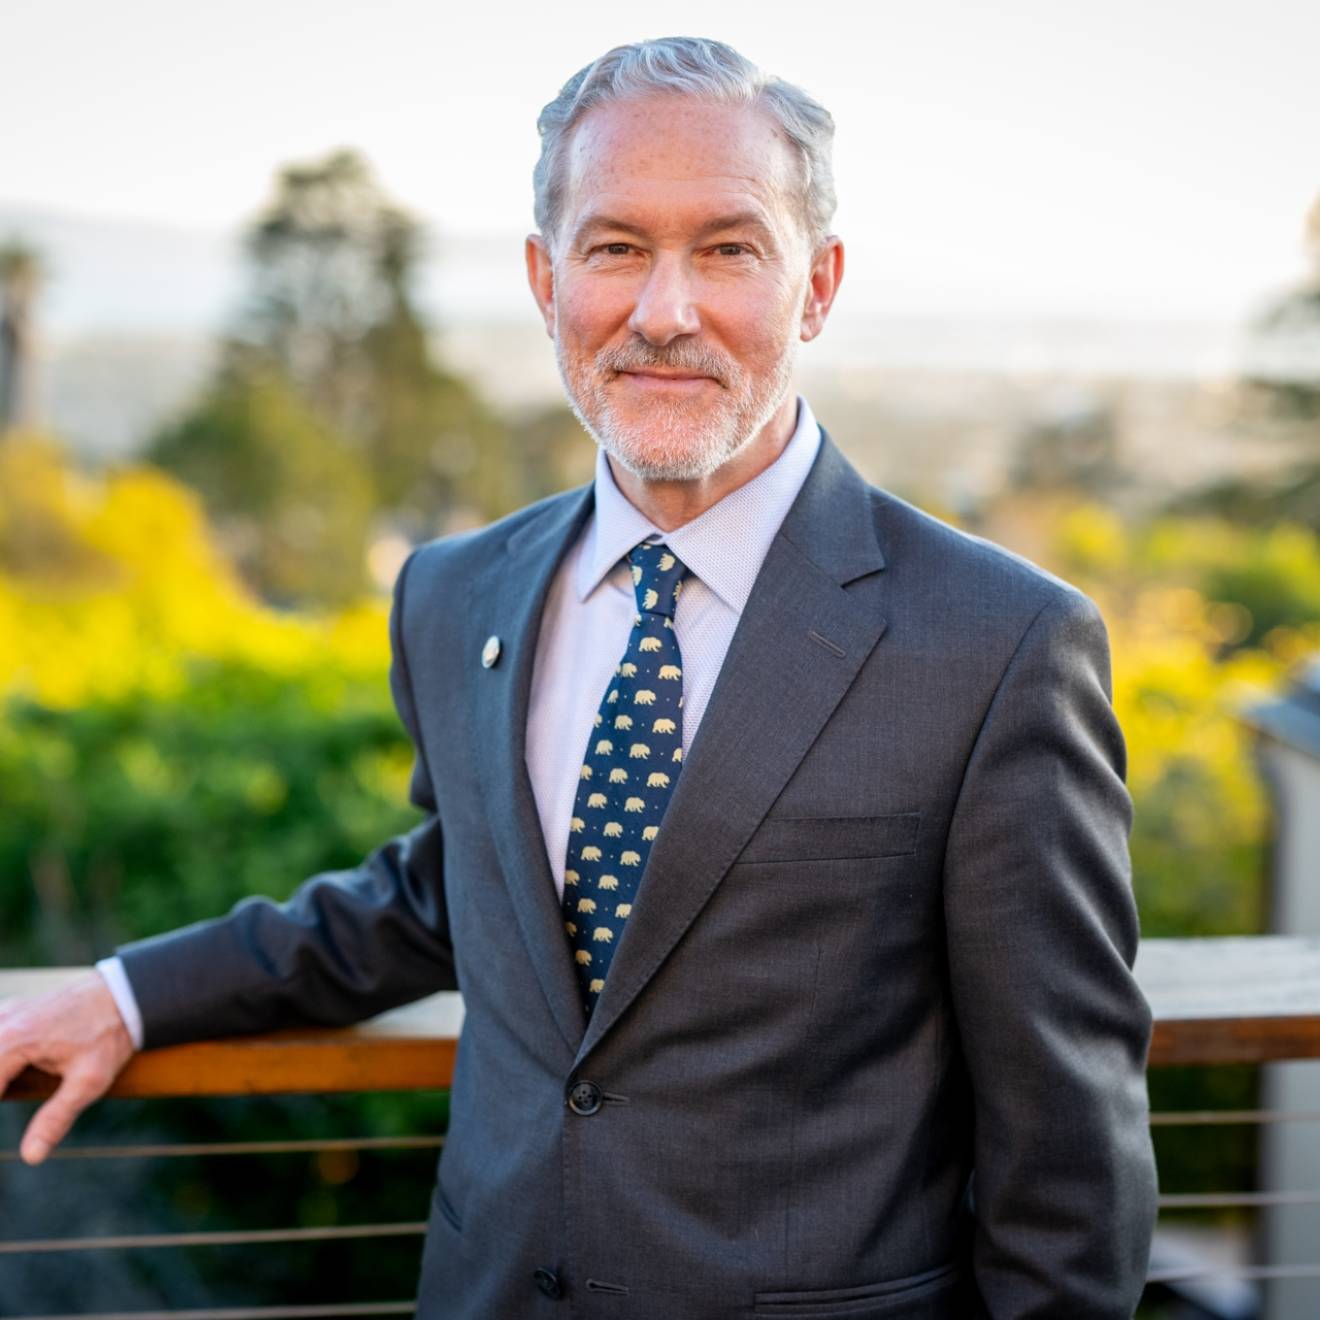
(679, 284)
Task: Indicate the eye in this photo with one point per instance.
(615, 249)
(733, 250)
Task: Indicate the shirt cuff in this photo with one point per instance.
(116, 979)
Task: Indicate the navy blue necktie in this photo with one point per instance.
(628, 774)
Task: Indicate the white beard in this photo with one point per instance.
(681, 440)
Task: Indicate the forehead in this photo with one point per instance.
(671, 152)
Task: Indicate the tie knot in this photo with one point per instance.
(657, 576)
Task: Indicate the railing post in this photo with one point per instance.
(1288, 752)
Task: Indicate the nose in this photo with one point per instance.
(665, 309)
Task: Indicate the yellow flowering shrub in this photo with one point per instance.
(1204, 618)
(113, 584)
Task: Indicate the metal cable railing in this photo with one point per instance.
(244, 1312)
(1235, 1272)
(1203, 1016)
(1226, 1117)
(1225, 1200)
(312, 1145)
(218, 1238)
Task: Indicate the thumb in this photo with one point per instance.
(51, 1123)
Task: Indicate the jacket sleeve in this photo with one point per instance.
(1042, 934)
(346, 945)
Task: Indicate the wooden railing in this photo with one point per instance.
(1239, 1000)
(1215, 1001)
(408, 1049)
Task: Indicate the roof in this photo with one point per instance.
(1294, 717)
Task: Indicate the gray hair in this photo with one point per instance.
(687, 66)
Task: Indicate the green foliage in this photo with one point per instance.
(1276, 580)
(549, 441)
(1285, 381)
(329, 410)
(322, 256)
(167, 747)
(1074, 447)
(131, 816)
(1195, 1158)
(1188, 603)
(1291, 495)
(218, 1193)
(1278, 396)
(434, 444)
(1270, 576)
(290, 496)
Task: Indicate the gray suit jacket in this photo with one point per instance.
(883, 944)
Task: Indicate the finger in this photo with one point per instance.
(13, 1059)
(51, 1123)
(10, 1066)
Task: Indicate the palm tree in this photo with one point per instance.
(20, 274)
(1284, 355)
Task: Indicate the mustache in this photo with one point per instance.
(680, 355)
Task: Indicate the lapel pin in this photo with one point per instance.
(490, 653)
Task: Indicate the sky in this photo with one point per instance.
(1128, 158)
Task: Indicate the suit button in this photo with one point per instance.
(548, 1282)
(584, 1098)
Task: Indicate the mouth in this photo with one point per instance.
(667, 381)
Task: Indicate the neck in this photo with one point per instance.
(671, 504)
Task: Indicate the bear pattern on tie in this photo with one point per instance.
(633, 757)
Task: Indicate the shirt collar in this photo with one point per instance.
(724, 546)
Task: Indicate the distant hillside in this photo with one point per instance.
(126, 276)
(122, 275)
(128, 320)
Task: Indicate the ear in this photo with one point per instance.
(541, 278)
(822, 284)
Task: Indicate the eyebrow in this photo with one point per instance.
(736, 220)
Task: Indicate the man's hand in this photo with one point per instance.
(75, 1033)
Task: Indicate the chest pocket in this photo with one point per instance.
(832, 838)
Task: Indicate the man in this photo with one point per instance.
(775, 835)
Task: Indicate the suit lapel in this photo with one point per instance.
(507, 601)
(798, 646)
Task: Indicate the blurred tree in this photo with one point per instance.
(40, 539)
(1284, 359)
(1291, 495)
(1278, 395)
(290, 496)
(431, 440)
(334, 269)
(20, 277)
(113, 583)
(549, 440)
(1072, 445)
(316, 255)
(332, 346)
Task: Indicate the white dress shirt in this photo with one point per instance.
(588, 618)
